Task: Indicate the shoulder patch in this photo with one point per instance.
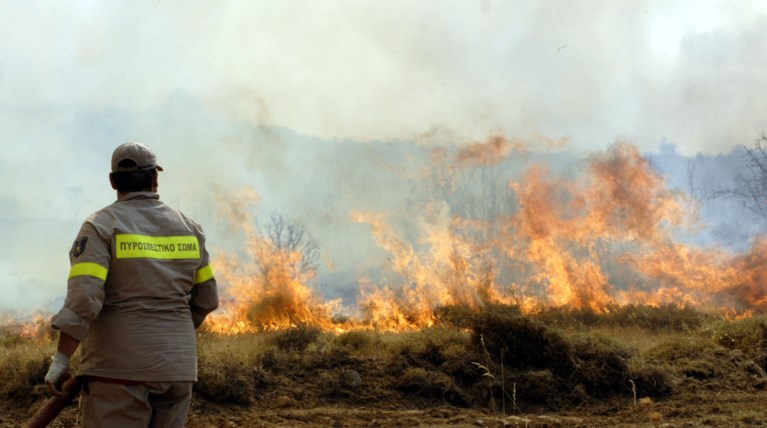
(79, 246)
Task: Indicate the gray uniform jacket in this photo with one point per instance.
(139, 284)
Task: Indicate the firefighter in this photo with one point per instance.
(140, 283)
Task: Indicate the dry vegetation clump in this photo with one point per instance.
(432, 384)
(694, 357)
(748, 335)
(22, 370)
(463, 316)
(229, 370)
(431, 348)
(546, 367)
(226, 381)
(297, 338)
(652, 381)
(522, 343)
(435, 364)
(602, 366)
(358, 340)
(701, 363)
(536, 388)
(651, 318)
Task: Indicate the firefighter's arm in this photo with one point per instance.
(205, 292)
(90, 258)
(204, 295)
(60, 365)
(204, 301)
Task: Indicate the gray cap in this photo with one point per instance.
(142, 158)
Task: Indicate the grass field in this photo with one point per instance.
(633, 366)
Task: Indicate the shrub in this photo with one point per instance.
(602, 366)
(674, 350)
(654, 318)
(22, 374)
(695, 358)
(748, 335)
(297, 338)
(428, 348)
(521, 343)
(458, 316)
(652, 381)
(356, 339)
(227, 381)
(431, 384)
(533, 386)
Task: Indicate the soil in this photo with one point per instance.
(709, 408)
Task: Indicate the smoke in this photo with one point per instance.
(341, 107)
(231, 176)
(371, 71)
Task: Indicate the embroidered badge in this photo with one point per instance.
(79, 246)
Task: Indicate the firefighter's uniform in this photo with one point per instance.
(139, 284)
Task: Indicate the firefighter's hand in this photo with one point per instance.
(59, 367)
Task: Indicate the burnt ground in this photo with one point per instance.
(705, 396)
(709, 408)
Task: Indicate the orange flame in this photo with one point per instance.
(605, 237)
(266, 291)
(37, 329)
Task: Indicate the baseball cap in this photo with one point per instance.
(141, 158)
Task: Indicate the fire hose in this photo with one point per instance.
(54, 405)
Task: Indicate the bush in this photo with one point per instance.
(674, 350)
(695, 358)
(666, 317)
(22, 375)
(656, 318)
(297, 338)
(602, 366)
(431, 384)
(356, 339)
(533, 386)
(458, 316)
(652, 381)
(748, 335)
(522, 343)
(227, 381)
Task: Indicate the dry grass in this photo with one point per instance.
(22, 369)
(497, 360)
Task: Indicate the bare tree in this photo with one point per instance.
(291, 236)
(749, 186)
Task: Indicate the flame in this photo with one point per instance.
(269, 289)
(266, 292)
(587, 240)
(598, 236)
(750, 288)
(36, 329)
(491, 152)
(454, 271)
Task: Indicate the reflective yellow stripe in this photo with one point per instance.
(90, 269)
(204, 274)
(131, 246)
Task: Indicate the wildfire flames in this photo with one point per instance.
(605, 237)
(37, 329)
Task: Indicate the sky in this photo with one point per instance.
(249, 94)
